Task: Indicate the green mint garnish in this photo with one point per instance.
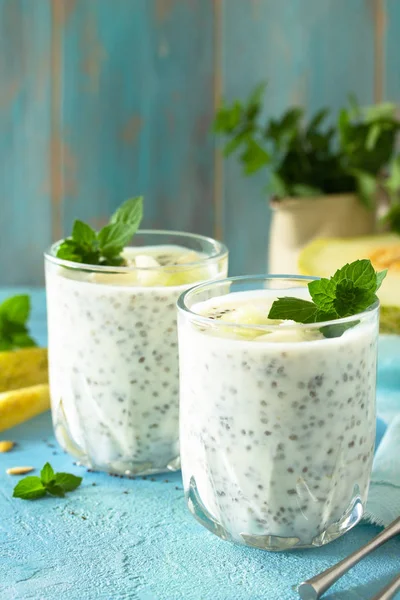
(351, 290)
(14, 314)
(49, 482)
(104, 247)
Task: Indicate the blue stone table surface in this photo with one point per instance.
(117, 539)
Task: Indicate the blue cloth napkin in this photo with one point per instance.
(383, 504)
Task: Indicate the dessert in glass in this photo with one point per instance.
(113, 351)
(277, 418)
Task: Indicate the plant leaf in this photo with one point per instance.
(373, 136)
(47, 474)
(23, 340)
(83, 234)
(16, 309)
(68, 482)
(228, 118)
(354, 105)
(254, 157)
(323, 293)
(367, 186)
(6, 345)
(296, 309)
(55, 490)
(392, 183)
(113, 238)
(380, 276)
(305, 191)
(29, 488)
(318, 118)
(277, 186)
(381, 111)
(130, 213)
(360, 272)
(351, 299)
(69, 250)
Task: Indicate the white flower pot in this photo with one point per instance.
(297, 221)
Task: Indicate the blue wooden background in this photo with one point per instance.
(102, 99)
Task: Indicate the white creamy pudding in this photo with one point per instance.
(277, 427)
(113, 356)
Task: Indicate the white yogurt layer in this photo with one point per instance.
(113, 359)
(277, 429)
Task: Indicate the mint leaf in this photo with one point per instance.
(293, 309)
(29, 488)
(336, 330)
(103, 248)
(379, 278)
(130, 212)
(70, 250)
(55, 484)
(47, 474)
(23, 340)
(113, 238)
(68, 482)
(360, 272)
(14, 313)
(55, 490)
(351, 290)
(83, 234)
(323, 293)
(16, 309)
(5, 345)
(351, 299)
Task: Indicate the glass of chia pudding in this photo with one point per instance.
(277, 418)
(113, 349)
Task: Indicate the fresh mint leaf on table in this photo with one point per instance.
(14, 314)
(351, 290)
(104, 247)
(49, 482)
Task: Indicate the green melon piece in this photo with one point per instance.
(324, 256)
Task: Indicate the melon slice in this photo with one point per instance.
(324, 256)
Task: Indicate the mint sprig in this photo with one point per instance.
(104, 247)
(351, 290)
(49, 482)
(14, 314)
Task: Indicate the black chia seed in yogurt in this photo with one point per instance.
(113, 356)
(278, 426)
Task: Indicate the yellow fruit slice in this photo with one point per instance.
(23, 368)
(195, 274)
(324, 256)
(21, 405)
(250, 314)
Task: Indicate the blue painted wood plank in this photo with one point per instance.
(312, 54)
(136, 108)
(391, 21)
(25, 105)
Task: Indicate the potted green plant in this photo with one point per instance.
(322, 179)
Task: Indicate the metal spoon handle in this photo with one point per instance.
(313, 588)
(389, 591)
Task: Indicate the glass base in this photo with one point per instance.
(129, 468)
(123, 466)
(274, 543)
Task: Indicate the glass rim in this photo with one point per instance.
(220, 253)
(183, 308)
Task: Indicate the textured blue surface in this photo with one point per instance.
(118, 539)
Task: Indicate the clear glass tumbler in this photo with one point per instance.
(277, 421)
(113, 352)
